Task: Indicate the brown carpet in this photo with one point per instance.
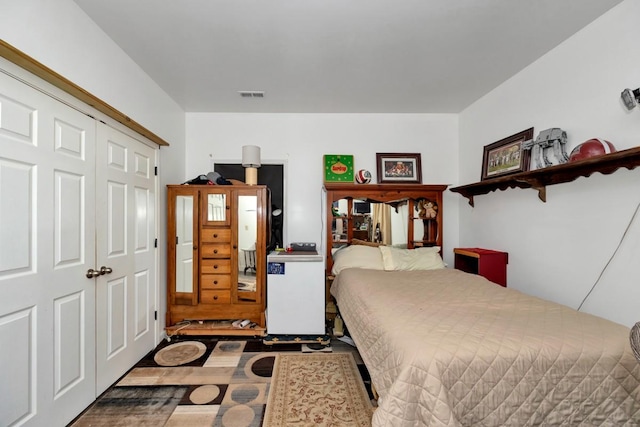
(201, 381)
(317, 390)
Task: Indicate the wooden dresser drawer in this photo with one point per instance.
(215, 266)
(215, 281)
(215, 250)
(215, 235)
(215, 297)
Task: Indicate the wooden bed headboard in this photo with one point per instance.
(392, 194)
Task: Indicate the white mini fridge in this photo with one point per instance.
(295, 293)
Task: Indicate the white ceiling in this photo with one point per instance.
(337, 56)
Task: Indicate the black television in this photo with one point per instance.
(361, 207)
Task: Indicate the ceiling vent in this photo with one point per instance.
(251, 93)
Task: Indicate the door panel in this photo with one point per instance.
(71, 216)
(68, 219)
(116, 302)
(18, 368)
(47, 243)
(116, 220)
(17, 185)
(141, 316)
(126, 296)
(69, 342)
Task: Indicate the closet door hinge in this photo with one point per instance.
(155, 315)
(155, 243)
(155, 170)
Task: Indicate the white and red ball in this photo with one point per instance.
(591, 148)
(363, 176)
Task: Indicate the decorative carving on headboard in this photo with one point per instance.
(428, 211)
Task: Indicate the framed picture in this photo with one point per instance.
(506, 156)
(338, 168)
(399, 168)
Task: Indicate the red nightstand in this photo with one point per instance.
(487, 263)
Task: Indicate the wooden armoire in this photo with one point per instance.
(216, 259)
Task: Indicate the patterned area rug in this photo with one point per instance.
(202, 381)
(317, 390)
(180, 353)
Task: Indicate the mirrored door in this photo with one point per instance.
(183, 246)
(247, 244)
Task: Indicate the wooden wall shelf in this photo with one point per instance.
(539, 179)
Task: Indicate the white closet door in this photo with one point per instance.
(47, 244)
(126, 191)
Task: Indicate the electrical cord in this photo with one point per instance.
(624, 235)
(184, 323)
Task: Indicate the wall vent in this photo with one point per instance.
(251, 93)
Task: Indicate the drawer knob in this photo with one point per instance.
(215, 267)
(215, 235)
(215, 282)
(215, 251)
(215, 297)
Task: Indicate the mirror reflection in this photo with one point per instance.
(184, 244)
(216, 207)
(247, 237)
(383, 223)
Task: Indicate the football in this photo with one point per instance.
(363, 176)
(591, 148)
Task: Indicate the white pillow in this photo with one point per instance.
(357, 256)
(411, 259)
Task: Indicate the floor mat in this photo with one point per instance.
(194, 382)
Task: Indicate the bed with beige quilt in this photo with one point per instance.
(448, 348)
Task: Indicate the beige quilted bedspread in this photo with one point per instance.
(446, 348)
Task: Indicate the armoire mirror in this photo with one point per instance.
(247, 239)
(216, 207)
(184, 243)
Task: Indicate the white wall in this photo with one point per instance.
(558, 249)
(301, 140)
(61, 36)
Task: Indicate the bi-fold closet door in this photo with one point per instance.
(75, 196)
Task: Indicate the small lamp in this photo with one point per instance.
(251, 163)
(276, 227)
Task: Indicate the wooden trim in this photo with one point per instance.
(47, 74)
(459, 251)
